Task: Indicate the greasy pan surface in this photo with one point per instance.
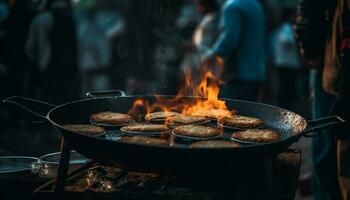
(168, 158)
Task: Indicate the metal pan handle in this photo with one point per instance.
(37, 109)
(106, 93)
(322, 123)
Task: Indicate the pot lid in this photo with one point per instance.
(16, 166)
(54, 158)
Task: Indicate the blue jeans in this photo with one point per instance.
(324, 147)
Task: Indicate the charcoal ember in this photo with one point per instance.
(104, 185)
(136, 182)
(92, 177)
(95, 174)
(112, 172)
(80, 185)
(75, 188)
(140, 177)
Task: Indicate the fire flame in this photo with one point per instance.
(207, 90)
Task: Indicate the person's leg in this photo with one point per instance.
(344, 167)
(325, 181)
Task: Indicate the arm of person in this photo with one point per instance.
(227, 42)
(231, 32)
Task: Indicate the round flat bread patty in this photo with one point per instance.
(111, 118)
(145, 128)
(200, 131)
(215, 144)
(160, 116)
(257, 135)
(213, 113)
(185, 119)
(85, 129)
(242, 121)
(144, 140)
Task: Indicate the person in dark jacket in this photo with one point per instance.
(52, 45)
(16, 70)
(330, 171)
(19, 67)
(241, 45)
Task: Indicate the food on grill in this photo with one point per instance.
(199, 131)
(103, 185)
(185, 119)
(160, 116)
(111, 118)
(214, 114)
(240, 121)
(145, 128)
(79, 185)
(257, 135)
(143, 140)
(214, 144)
(85, 129)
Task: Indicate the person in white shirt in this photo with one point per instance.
(203, 37)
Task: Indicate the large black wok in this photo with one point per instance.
(170, 159)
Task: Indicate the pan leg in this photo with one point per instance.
(63, 167)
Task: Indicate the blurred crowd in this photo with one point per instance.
(57, 50)
(143, 47)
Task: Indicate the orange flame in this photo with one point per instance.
(207, 91)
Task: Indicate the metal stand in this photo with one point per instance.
(63, 166)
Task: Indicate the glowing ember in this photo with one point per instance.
(207, 90)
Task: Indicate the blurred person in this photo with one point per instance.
(16, 70)
(207, 30)
(4, 13)
(322, 29)
(203, 37)
(4, 10)
(188, 19)
(96, 29)
(18, 67)
(241, 43)
(52, 46)
(286, 60)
